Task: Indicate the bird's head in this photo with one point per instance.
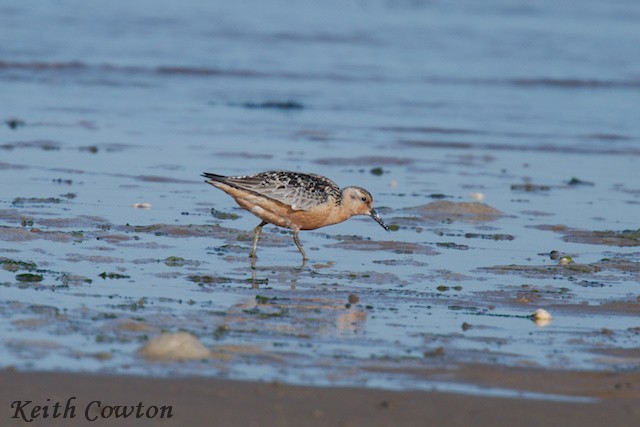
(358, 201)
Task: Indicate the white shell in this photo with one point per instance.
(541, 313)
(541, 317)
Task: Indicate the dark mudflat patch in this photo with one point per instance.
(442, 210)
(364, 161)
(163, 179)
(489, 236)
(45, 145)
(9, 166)
(15, 265)
(606, 237)
(272, 105)
(243, 155)
(536, 213)
(391, 246)
(20, 201)
(83, 221)
(189, 230)
(623, 269)
(20, 234)
(540, 148)
(530, 187)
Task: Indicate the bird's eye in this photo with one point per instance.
(364, 199)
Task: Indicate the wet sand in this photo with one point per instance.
(499, 144)
(205, 401)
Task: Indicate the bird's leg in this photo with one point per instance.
(256, 236)
(297, 242)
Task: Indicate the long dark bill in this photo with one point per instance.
(379, 220)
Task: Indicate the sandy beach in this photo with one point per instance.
(211, 402)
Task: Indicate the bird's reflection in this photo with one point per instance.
(295, 275)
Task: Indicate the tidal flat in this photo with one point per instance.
(509, 186)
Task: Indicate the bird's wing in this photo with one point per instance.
(301, 191)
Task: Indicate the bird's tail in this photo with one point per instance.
(214, 177)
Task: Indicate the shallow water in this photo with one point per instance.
(130, 103)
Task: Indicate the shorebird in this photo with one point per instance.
(295, 200)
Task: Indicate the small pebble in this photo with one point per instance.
(175, 346)
(353, 299)
(438, 352)
(385, 404)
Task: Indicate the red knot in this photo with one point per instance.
(295, 200)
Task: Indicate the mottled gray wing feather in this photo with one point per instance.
(299, 190)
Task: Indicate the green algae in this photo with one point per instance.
(106, 275)
(29, 277)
